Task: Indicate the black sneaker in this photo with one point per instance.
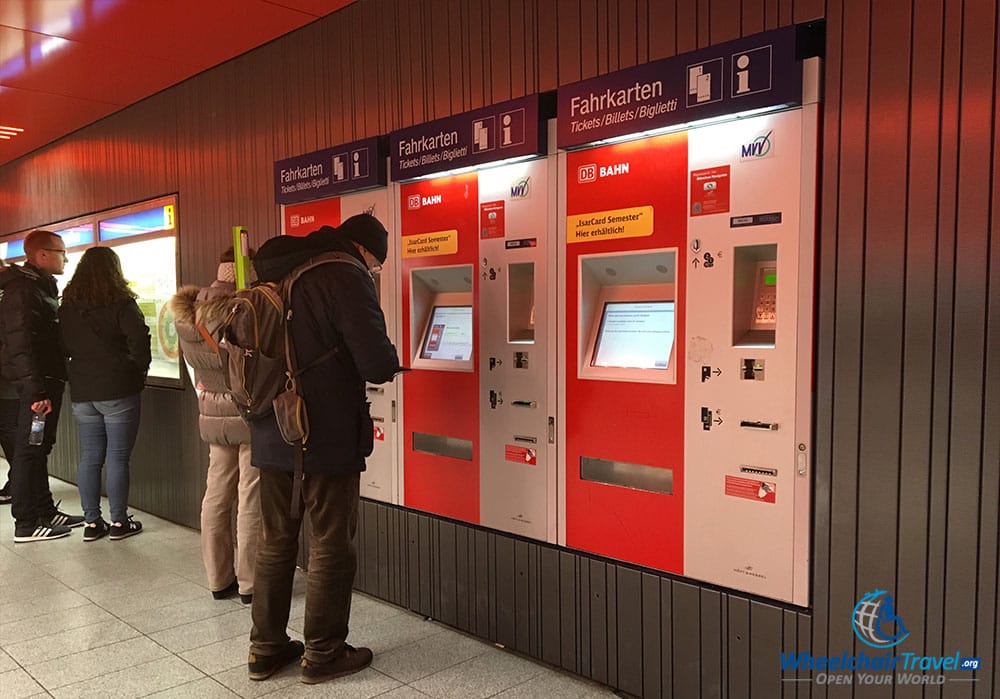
(61, 519)
(262, 667)
(92, 531)
(123, 530)
(43, 531)
(347, 663)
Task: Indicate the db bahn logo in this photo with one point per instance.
(586, 173)
(413, 202)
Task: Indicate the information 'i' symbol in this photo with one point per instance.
(742, 75)
(356, 158)
(506, 129)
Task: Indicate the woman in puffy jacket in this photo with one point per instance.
(231, 481)
(106, 341)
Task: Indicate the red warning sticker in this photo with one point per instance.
(710, 191)
(519, 455)
(379, 433)
(491, 219)
(762, 491)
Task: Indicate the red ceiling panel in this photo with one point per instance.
(67, 63)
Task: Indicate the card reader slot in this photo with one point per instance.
(525, 438)
(759, 425)
(524, 403)
(377, 390)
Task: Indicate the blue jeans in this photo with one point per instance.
(107, 434)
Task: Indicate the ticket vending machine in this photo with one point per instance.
(439, 223)
(688, 289)
(361, 166)
(517, 389)
(477, 322)
(625, 313)
(749, 386)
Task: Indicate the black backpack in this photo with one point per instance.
(259, 360)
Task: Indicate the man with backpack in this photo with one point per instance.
(338, 338)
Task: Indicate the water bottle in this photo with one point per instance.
(37, 429)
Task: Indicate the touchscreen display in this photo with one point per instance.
(449, 334)
(635, 335)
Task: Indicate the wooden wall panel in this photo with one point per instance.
(907, 374)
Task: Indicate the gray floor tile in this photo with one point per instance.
(428, 655)
(237, 680)
(39, 606)
(77, 640)
(557, 685)
(205, 688)
(367, 683)
(482, 676)
(368, 610)
(151, 620)
(396, 631)
(202, 633)
(60, 672)
(7, 663)
(142, 599)
(141, 580)
(404, 692)
(30, 582)
(18, 683)
(219, 657)
(53, 622)
(136, 681)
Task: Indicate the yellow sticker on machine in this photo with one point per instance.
(428, 244)
(635, 222)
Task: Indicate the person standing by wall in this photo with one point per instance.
(106, 341)
(231, 479)
(33, 361)
(8, 425)
(335, 313)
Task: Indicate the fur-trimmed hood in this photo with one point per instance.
(208, 306)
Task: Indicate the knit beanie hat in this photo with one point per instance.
(368, 231)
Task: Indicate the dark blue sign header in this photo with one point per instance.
(502, 131)
(330, 172)
(750, 73)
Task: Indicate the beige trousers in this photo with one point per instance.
(231, 481)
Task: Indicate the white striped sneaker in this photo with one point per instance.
(43, 532)
(61, 519)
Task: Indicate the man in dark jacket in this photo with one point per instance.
(33, 361)
(334, 307)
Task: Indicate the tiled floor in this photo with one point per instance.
(134, 618)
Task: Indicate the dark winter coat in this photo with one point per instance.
(29, 330)
(107, 349)
(219, 422)
(333, 306)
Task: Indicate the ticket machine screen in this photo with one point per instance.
(448, 334)
(635, 334)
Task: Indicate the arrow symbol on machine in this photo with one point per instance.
(695, 262)
(717, 372)
(718, 421)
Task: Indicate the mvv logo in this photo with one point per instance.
(760, 147)
(521, 189)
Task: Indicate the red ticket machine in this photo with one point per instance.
(439, 222)
(625, 231)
